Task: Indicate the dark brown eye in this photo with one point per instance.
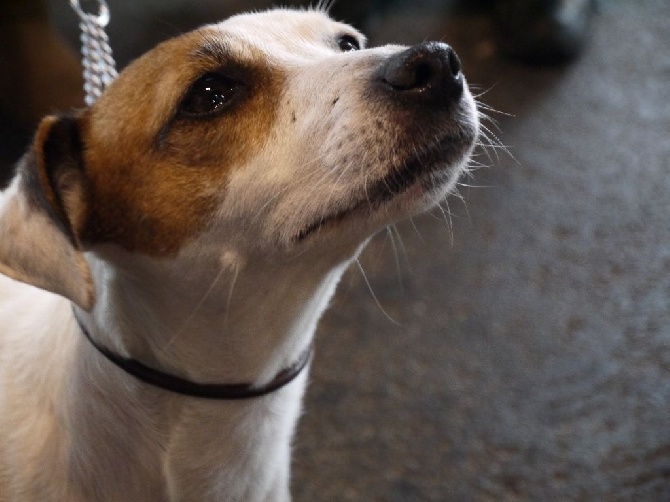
(209, 94)
(348, 43)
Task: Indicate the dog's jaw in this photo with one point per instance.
(418, 184)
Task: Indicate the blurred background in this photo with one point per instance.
(517, 348)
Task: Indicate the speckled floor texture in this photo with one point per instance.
(518, 350)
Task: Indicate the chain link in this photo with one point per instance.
(97, 59)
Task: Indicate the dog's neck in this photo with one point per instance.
(241, 323)
(235, 322)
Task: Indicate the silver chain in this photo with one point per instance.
(97, 59)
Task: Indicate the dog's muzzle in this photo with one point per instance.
(425, 129)
(429, 72)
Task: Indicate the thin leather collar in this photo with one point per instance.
(178, 385)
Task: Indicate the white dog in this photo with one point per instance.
(186, 232)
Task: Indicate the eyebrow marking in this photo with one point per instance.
(215, 49)
(211, 52)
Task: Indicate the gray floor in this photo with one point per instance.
(532, 356)
(520, 351)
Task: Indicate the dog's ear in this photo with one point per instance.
(42, 212)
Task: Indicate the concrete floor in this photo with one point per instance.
(521, 350)
(531, 359)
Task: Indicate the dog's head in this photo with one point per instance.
(268, 134)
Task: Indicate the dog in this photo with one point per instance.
(168, 251)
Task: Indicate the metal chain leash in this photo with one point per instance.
(97, 60)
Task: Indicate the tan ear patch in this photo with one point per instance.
(157, 177)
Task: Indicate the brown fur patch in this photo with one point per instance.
(156, 176)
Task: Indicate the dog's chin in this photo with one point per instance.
(415, 185)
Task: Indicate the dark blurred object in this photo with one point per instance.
(353, 12)
(543, 32)
(40, 74)
(361, 13)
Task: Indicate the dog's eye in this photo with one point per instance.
(209, 94)
(348, 43)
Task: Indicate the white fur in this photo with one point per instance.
(105, 436)
(238, 304)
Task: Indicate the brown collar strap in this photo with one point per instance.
(178, 385)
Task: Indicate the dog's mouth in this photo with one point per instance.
(425, 170)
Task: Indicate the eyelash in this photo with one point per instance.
(208, 95)
(348, 43)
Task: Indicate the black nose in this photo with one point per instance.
(431, 70)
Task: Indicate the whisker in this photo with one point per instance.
(455, 193)
(195, 310)
(374, 296)
(403, 248)
(326, 5)
(467, 185)
(489, 108)
(396, 256)
(416, 229)
(448, 222)
(482, 93)
(229, 300)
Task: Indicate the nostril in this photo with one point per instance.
(423, 75)
(413, 71)
(454, 63)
